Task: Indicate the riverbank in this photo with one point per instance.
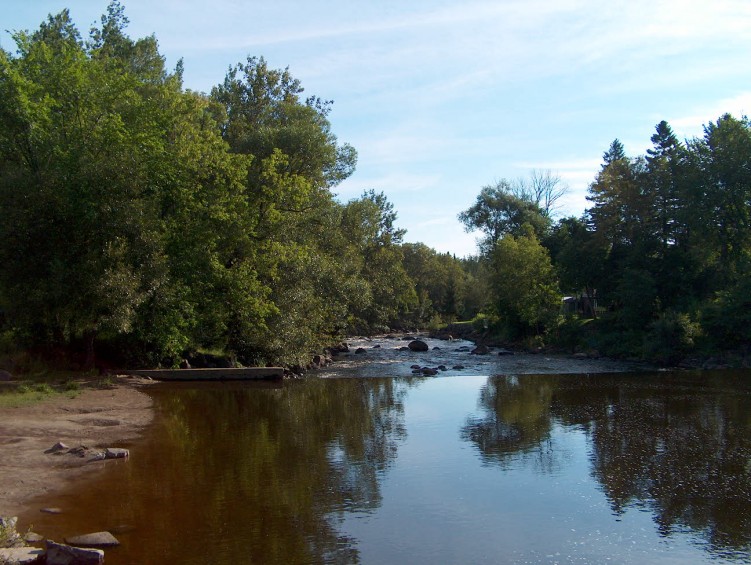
(96, 417)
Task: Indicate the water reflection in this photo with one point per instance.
(379, 470)
(678, 445)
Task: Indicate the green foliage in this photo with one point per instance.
(497, 211)
(671, 336)
(525, 287)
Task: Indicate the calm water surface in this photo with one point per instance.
(619, 468)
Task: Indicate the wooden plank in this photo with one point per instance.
(239, 374)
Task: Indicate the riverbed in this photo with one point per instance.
(510, 459)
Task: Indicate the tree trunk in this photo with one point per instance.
(88, 340)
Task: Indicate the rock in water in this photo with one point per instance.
(418, 345)
(97, 539)
(116, 453)
(60, 554)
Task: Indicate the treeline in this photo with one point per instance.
(658, 266)
(144, 220)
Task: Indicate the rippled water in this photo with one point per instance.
(458, 468)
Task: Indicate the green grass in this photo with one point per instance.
(29, 392)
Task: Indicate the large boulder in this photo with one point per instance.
(481, 350)
(418, 345)
(61, 554)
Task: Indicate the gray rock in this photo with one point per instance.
(57, 448)
(480, 350)
(505, 352)
(96, 539)
(32, 537)
(60, 554)
(418, 345)
(458, 367)
(116, 453)
(21, 555)
(428, 371)
(360, 351)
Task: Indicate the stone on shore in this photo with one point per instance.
(21, 555)
(96, 539)
(61, 554)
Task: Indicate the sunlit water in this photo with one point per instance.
(458, 468)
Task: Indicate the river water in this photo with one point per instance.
(512, 459)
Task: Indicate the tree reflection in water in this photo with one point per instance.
(678, 445)
(261, 474)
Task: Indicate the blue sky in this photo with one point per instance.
(443, 97)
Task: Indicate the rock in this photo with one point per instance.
(505, 352)
(404, 348)
(480, 350)
(428, 371)
(408, 338)
(5, 375)
(458, 367)
(442, 368)
(360, 351)
(418, 345)
(60, 554)
(52, 510)
(463, 348)
(415, 367)
(376, 346)
(97, 455)
(22, 555)
(436, 348)
(57, 448)
(32, 537)
(96, 539)
(116, 453)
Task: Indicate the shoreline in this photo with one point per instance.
(96, 418)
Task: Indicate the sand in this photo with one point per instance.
(96, 418)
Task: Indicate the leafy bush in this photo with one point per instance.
(671, 336)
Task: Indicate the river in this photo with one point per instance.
(511, 459)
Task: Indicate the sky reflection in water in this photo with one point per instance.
(639, 468)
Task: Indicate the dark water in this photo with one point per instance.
(619, 468)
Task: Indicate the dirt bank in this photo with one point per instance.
(108, 417)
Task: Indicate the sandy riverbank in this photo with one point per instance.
(109, 417)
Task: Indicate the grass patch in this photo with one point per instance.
(30, 392)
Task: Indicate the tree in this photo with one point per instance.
(544, 189)
(497, 211)
(368, 223)
(525, 289)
